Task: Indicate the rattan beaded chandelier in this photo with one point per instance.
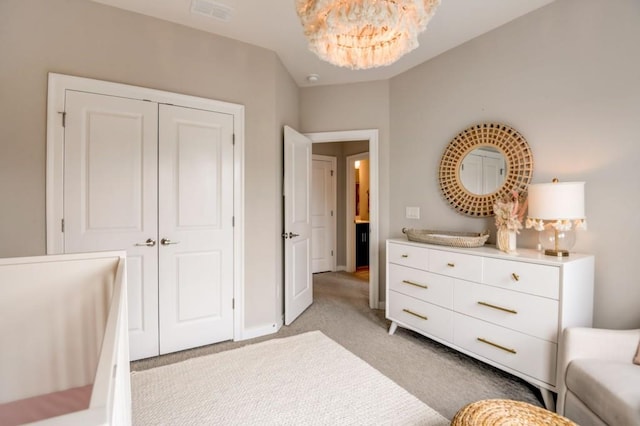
(361, 34)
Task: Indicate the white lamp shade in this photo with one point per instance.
(558, 200)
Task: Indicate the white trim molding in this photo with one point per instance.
(370, 135)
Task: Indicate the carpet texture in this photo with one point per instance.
(305, 379)
(442, 378)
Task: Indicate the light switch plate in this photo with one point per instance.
(413, 212)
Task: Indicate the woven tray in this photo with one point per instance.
(447, 238)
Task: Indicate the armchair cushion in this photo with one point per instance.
(615, 398)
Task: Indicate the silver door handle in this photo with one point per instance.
(166, 242)
(291, 235)
(149, 243)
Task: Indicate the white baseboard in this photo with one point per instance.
(341, 268)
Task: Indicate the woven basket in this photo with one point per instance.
(504, 412)
(447, 238)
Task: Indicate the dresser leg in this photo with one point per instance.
(547, 397)
(393, 327)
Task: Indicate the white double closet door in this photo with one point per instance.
(157, 181)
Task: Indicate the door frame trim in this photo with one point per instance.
(58, 84)
(374, 216)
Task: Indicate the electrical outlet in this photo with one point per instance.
(413, 212)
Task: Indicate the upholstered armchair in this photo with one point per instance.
(598, 382)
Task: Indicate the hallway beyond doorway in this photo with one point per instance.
(362, 273)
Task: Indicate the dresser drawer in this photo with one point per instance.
(532, 315)
(422, 316)
(432, 288)
(541, 280)
(415, 257)
(528, 355)
(456, 265)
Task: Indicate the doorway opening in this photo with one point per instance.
(358, 212)
(356, 142)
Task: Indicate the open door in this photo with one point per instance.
(298, 281)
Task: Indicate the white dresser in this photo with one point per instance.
(505, 310)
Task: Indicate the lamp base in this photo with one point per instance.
(557, 243)
(557, 253)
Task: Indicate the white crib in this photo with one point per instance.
(64, 354)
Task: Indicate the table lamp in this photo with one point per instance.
(556, 209)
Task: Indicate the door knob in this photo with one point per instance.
(291, 235)
(166, 242)
(149, 243)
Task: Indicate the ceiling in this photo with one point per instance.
(274, 25)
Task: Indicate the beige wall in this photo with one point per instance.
(355, 107)
(566, 76)
(83, 38)
(363, 189)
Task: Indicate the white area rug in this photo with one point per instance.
(303, 380)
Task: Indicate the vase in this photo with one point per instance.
(506, 240)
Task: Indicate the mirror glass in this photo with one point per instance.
(482, 164)
(483, 170)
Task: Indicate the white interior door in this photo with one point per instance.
(196, 227)
(298, 281)
(323, 218)
(493, 174)
(471, 174)
(110, 197)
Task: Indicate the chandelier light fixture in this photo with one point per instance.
(361, 34)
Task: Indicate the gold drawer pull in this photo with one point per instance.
(495, 345)
(515, 276)
(451, 265)
(414, 314)
(415, 284)
(405, 255)
(500, 308)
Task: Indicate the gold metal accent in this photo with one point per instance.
(415, 284)
(500, 308)
(405, 255)
(495, 345)
(414, 314)
(451, 265)
(556, 252)
(515, 276)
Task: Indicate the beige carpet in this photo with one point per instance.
(441, 377)
(304, 379)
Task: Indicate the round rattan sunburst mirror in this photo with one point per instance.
(496, 137)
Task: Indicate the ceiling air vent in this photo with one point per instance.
(211, 9)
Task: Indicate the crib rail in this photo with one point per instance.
(64, 325)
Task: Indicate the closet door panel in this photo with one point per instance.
(200, 298)
(198, 169)
(195, 227)
(110, 196)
